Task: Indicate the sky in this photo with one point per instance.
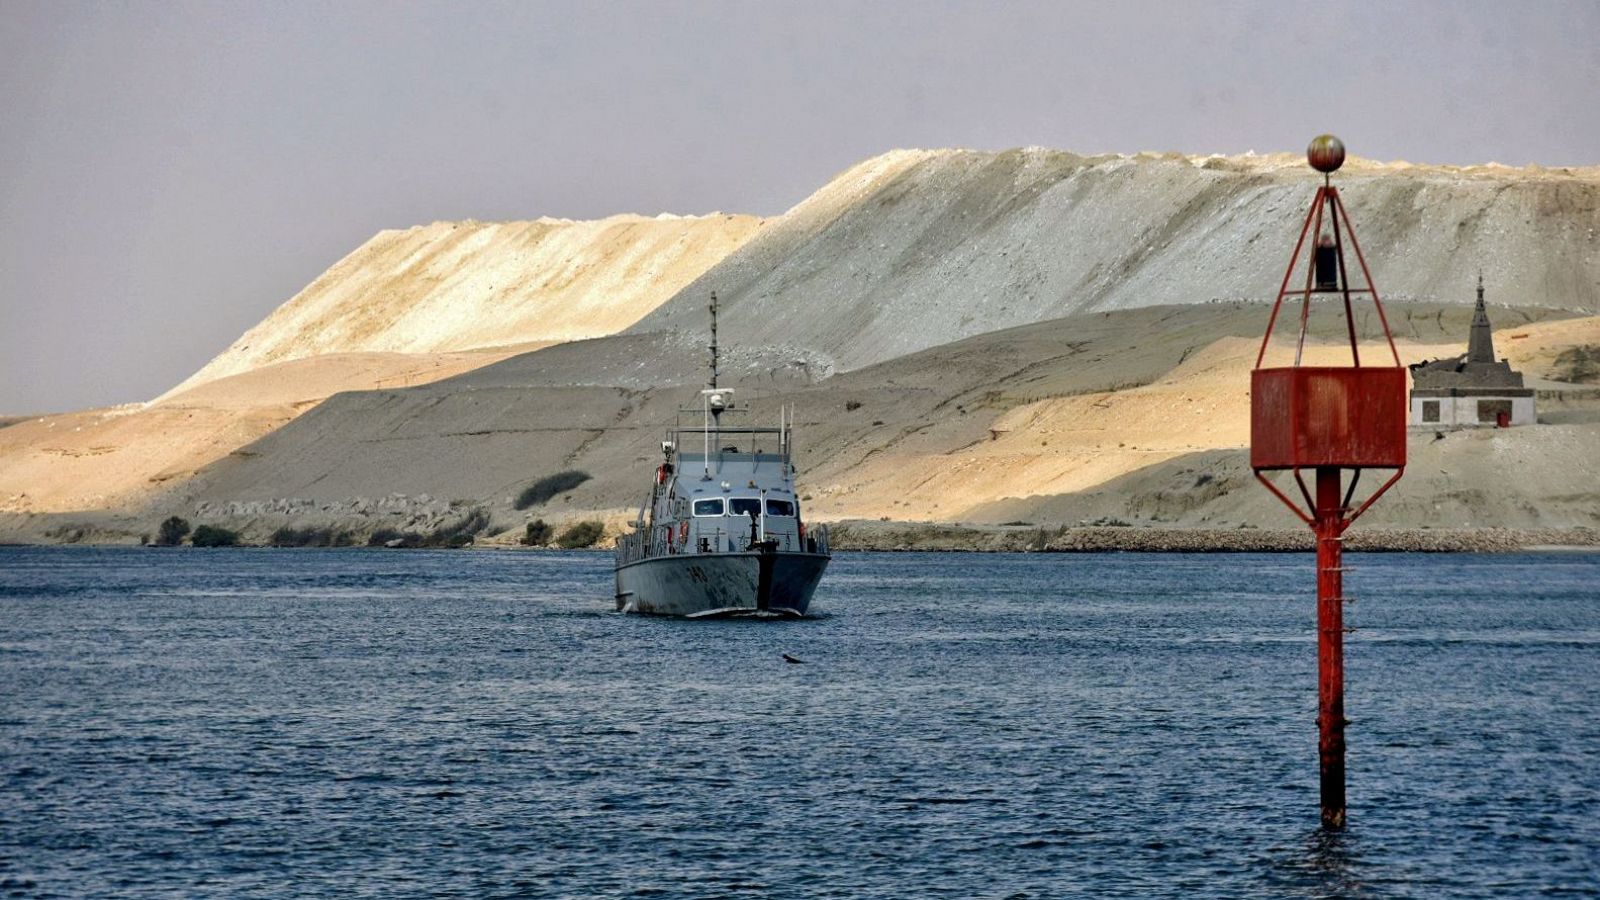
(171, 172)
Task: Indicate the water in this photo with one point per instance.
(479, 724)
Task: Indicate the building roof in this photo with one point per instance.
(1477, 368)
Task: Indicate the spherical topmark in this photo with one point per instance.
(1326, 153)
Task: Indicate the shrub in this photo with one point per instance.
(454, 534)
(172, 532)
(537, 534)
(459, 533)
(212, 536)
(383, 536)
(549, 486)
(852, 405)
(581, 535)
(310, 537)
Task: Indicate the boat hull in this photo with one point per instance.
(719, 584)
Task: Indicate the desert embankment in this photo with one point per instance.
(406, 308)
(1029, 341)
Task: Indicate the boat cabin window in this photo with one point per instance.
(779, 508)
(711, 507)
(745, 506)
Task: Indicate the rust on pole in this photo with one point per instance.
(1330, 645)
(1327, 419)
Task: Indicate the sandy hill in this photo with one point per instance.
(1173, 451)
(406, 308)
(919, 248)
(121, 456)
(454, 286)
(1034, 423)
(982, 336)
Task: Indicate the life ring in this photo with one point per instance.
(683, 532)
(661, 474)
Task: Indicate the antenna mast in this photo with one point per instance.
(713, 384)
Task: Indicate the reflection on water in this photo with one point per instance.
(1326, 864)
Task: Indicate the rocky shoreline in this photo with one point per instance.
(907, 536)
(254, 524)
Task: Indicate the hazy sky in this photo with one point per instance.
(171, 172)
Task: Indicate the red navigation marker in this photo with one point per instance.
(1328, 419)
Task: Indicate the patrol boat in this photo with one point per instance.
(721, 533)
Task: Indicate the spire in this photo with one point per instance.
(1480, 344)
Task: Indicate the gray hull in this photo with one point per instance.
(719, 584)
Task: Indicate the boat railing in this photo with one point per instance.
(630, 548)
(643, 544)
(659, 541)
(818, 533)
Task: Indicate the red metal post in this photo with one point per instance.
(1329, 527)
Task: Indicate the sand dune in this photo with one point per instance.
(919, 248)
(407, 308)
(454, 286)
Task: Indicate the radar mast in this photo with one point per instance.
(713, 384)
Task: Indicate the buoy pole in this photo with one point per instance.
(1323, 420)
(1329, 525)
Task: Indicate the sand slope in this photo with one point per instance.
(919, 248)
(1545, 476)
(109, 458)
(1047, 414)
(406, 308)
(472, 285)
(1044, 450)
(966, 335)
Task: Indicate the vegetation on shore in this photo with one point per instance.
(451, 535)
(1105, 534)
(537, 534)
(172, 532)
(460, 532)
(581, 535)
(214, 536)
(311, 537)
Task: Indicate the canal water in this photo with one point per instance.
(267, 723)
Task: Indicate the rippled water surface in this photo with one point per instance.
(274, 723)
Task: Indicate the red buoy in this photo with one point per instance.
(1326, 420)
